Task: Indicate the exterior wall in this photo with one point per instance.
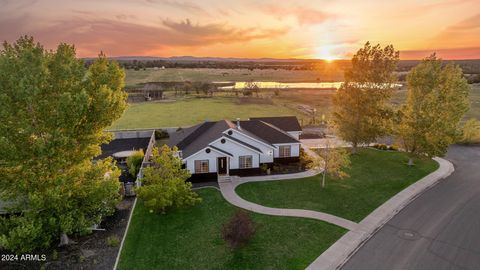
(295, 134)
(236, 150)
(202, 155)
(294, 151)
(267, 157)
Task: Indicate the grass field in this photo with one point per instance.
(191, 239)
(375, 176)
(134, 77)
(193, 111)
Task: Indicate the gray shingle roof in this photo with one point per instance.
(285, 123)
(267, 132)
(200, 137)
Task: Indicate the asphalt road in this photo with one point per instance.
(439, 230)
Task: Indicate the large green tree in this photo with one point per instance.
(437, 100)
(53, 113)
(361, 109)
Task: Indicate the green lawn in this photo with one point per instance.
(191, 239)
(192, 111)
(375, 176)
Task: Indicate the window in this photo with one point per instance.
(284, 150)
(245, 162)
(201, 166)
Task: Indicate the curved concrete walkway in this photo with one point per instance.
(227, 187)
(228, 191)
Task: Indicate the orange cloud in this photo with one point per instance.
(124, 38)
(303, 15)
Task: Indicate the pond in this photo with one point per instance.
(282, 85)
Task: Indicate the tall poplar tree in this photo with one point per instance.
(361, 110)
(437, 100)
(53, 113)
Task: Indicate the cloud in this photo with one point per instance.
(459, 34)
(118, 37)
(303, 15)
(457, 53)
(182, 5)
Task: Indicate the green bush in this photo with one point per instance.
(113, 241)
(264, 168)
(134, 162)
(471, 132)
(161, 134)
(393, 147)
(306, 161)
(164, 184)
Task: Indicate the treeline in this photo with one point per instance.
(468, 66)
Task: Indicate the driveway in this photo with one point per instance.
(439, 230)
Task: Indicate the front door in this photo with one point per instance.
(222, 165)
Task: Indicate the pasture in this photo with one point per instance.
(134, 77)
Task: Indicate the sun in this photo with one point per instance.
(326, 53)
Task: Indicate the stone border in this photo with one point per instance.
(124, 235)
(339, 253)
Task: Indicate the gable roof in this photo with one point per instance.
(285, 123)
(267, 132)
(220, 150)
(242, 143)
(201, 136)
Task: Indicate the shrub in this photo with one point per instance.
(161, 134)
(54, 255)
(164, 183)
(381, 146)
(393, 147)
(113, 241)
(471, 132)
(306, 161)
(238, 230)
(264, 168)
(134, 162)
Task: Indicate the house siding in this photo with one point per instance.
(265, 157)
(237, 151)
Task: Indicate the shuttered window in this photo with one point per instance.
(201, 166)
(245, 162)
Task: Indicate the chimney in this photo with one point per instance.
(238, 124)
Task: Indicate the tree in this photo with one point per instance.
(361, 109)
(335, 161)
(471, 132)
(53, 113)
(164, 184)
(134, 162)
(437, 99)
(238, 230)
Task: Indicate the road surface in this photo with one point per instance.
(439, 230)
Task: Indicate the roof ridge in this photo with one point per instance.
(202, 128)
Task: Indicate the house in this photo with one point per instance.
(220, 148)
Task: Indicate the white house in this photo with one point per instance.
(236, 148)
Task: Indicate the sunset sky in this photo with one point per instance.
(243, 28)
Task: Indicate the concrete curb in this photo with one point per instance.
(124, 235)
(339, 253)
